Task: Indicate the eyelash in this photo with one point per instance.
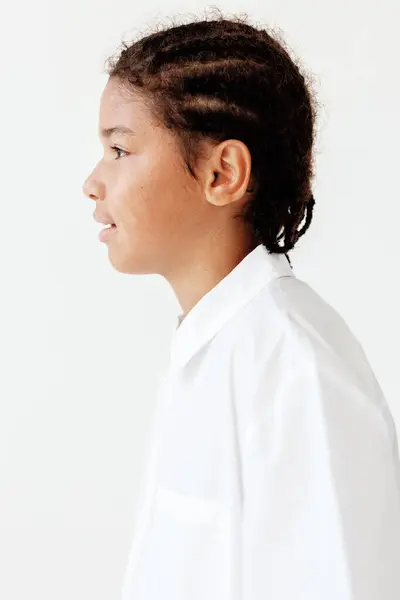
(118, 150)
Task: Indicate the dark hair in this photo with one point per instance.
(225, 79)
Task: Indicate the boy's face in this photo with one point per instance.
(158, 208)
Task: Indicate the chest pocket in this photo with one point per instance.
(201, 512)
(186, 550)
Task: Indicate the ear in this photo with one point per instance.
(228, 173)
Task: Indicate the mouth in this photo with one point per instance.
(108, 232)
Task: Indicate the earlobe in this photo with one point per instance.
(216, 191)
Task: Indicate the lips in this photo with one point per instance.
(104, 219)
(107, 233)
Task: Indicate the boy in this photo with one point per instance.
(274, 470)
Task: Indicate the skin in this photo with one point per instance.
(167, 222)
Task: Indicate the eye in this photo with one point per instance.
(118, 150)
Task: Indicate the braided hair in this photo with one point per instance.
(223, 78)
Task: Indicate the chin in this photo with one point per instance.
(129, 265)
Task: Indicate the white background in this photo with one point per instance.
(82, 347)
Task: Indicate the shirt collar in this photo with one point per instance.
(225, 299)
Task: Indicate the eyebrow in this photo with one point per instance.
(106, 133)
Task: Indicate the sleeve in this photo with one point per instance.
(321, 500)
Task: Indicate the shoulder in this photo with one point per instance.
(293, 348)
(290, 318)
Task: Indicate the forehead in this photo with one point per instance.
(118, 107)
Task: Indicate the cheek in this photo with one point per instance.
(138, 211)
(151, 196)
(126, 200)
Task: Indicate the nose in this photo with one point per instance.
(91, 188)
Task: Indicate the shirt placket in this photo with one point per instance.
(151, 483)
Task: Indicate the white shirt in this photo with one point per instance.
(274, 471)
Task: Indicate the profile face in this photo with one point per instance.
(143, 187)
